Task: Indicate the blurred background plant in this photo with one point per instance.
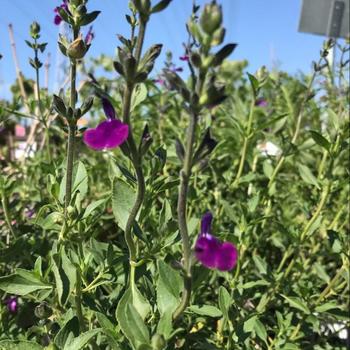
(277, 183)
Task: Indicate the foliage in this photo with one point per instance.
(80, 285)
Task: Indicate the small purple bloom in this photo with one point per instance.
(108, 109)
(12, 304)
(184, 58)
(107, 135)
(159, 81)
(211, 252)
(90, 35)
(177, 69)
(261, 102)
(58, 19)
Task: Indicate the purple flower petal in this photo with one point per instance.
(261, 102)
(57, 20)
(206, 222)
(210, 251)
(184, 58)
(108, 134)
(89, 36)
(108, 108)
(206, 250)
(12, 304)
(226, 257)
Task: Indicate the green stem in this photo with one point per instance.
(77, 300)
(331, 284)
(182, 219)
(245, 144)
(71, 138)
(136, 160)
(5, 208)
(297, 127)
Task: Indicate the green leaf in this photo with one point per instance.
(249, 325)
(320, 140)
(22, 283)
(50, 221)
(123, 199)
(65, 275)
(79, 182)
(260, 330)
(19, 345)
(93, 206)
(225, 301)
(297, 303)
(160, 6)
(69, 270)
(169, 287)
(131, 322)
(80, 341)
(205, 310)
(138, 96)
(88, 18)
(321, 272)
(260, 264)
(67, 333)
(253, 284)
(307, 175)
(140, 303)
(109, 329)
(254, 83)
(267, 168)
(290, 346)
(327, 306)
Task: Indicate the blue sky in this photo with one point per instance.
(265, 30)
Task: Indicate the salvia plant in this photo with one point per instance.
(202, 213)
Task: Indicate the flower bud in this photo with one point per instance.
(77, 49)
(211, 18)
(35, 30)
(43, 311)
(218, 37)
(70, 209)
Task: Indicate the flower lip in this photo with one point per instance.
(107, 135)
(211, 252)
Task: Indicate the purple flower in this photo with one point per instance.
(176, 69)
(109, 134)
(261, 102)
(159, 81)
(12, 304)
(58, 19)
(211, 252)
(184, 58)
(89, 36)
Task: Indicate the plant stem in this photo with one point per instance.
(77, 301)
(331, 284)
(297, 127)
(5, 208)
(136, 160)
(245, 144)
(181, 212)
(71, 137)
